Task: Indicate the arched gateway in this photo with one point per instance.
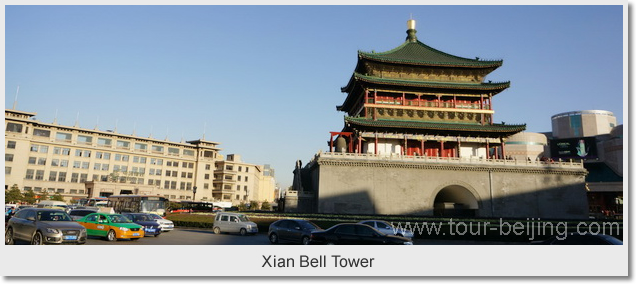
(455, 201)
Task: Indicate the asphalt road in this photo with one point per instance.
(198, 236)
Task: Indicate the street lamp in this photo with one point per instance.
(194, 192)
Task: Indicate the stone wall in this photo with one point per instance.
(354, 185)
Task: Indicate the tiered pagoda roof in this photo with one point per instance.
(506, 129)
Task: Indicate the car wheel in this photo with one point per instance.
(217, 230)
(8, 237)
(243, 232)
(305, 240)
(157, 235)
(273, 238)
(399, 235)
(111, 237)
(37, 239)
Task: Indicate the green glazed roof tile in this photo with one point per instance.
(418, 53)
(502, 128)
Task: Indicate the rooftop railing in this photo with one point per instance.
(449, 160)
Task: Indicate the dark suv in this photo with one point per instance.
(41, 226)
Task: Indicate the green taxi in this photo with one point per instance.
(111, 226)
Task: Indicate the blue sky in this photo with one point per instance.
(264, 81)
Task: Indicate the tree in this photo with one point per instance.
(29, 196)
(266, 206)
(57, 197)
(254, 205)
(242, 206)
(13, 195)
(44, 195)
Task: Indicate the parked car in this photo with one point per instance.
(294, 230)
(580, 239)
(387, 228)
(111, 226)
(41, 226)
(53, 204)
(234, 223)
(77, 214)
(355, 234)
(165, 224)
(151, 226)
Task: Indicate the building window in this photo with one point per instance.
(34, 148)
(77, 164)
(73, 191)
(173, 185)
(182, 186)
(39, 175)
(32, 160)
(44, 149)
(173, 151)
(64, 163)
(41, 133)
(63, 137)
(83, 177)
(105, 167)
(74, 177)
(188, 152)
(207, 166)
(8, 157)
(123, 144)
(206, 186)
(14, 127)
(141, 147)
(104, 142)
(156, 149)
(42, 161)
(82, 139)
(61, 177)
(245, 178)
(7, 170)
(10, 144)
(206, 176)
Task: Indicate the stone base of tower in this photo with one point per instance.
(400, 185)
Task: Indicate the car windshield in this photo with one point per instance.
(53, 216)
(155, 216)
(142, 218)
(119, 219)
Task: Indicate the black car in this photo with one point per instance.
(293, 230)
(151, 227)
(77, 214)
(355, 234)
(580, 239)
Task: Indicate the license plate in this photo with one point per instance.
(70, 237)
(135, 234)
(150, 230)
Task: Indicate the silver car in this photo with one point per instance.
(165, 224)
(234, 223)
(387, 228)
(41, 226)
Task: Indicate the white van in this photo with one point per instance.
(53, 204)
(234, 223)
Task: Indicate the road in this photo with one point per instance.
(198, 236)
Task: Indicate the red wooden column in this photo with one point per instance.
(366, 101)
(503, 150)
(359, 144)
(487, 150)
(376, 144)
(441, 146)
(331, 144)
(423, 152)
